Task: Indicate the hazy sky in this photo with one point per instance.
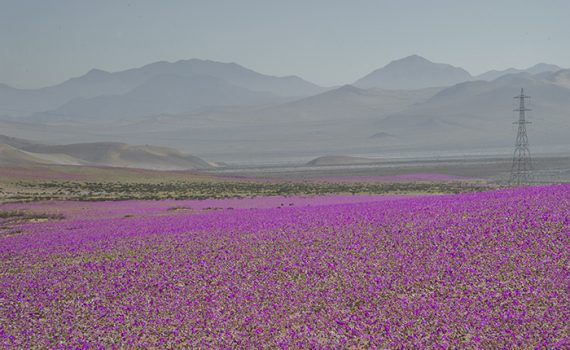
(325, 41)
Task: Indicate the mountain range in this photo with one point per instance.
(97, 83)
(226, 112)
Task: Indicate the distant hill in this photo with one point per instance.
(561, 77)
(10, 155)
(19, 152)
(413, 72)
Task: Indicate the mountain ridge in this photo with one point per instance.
(535, 69)
(96, 82)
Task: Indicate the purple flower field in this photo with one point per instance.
(485, 270)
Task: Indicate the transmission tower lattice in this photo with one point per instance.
(521, 170)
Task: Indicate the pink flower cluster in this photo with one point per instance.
(484, 270)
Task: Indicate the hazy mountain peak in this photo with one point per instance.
(413, 72)
(411, 59)
(237, 75)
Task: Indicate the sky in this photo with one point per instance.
(329, 42)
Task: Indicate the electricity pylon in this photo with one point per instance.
(521, 170)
